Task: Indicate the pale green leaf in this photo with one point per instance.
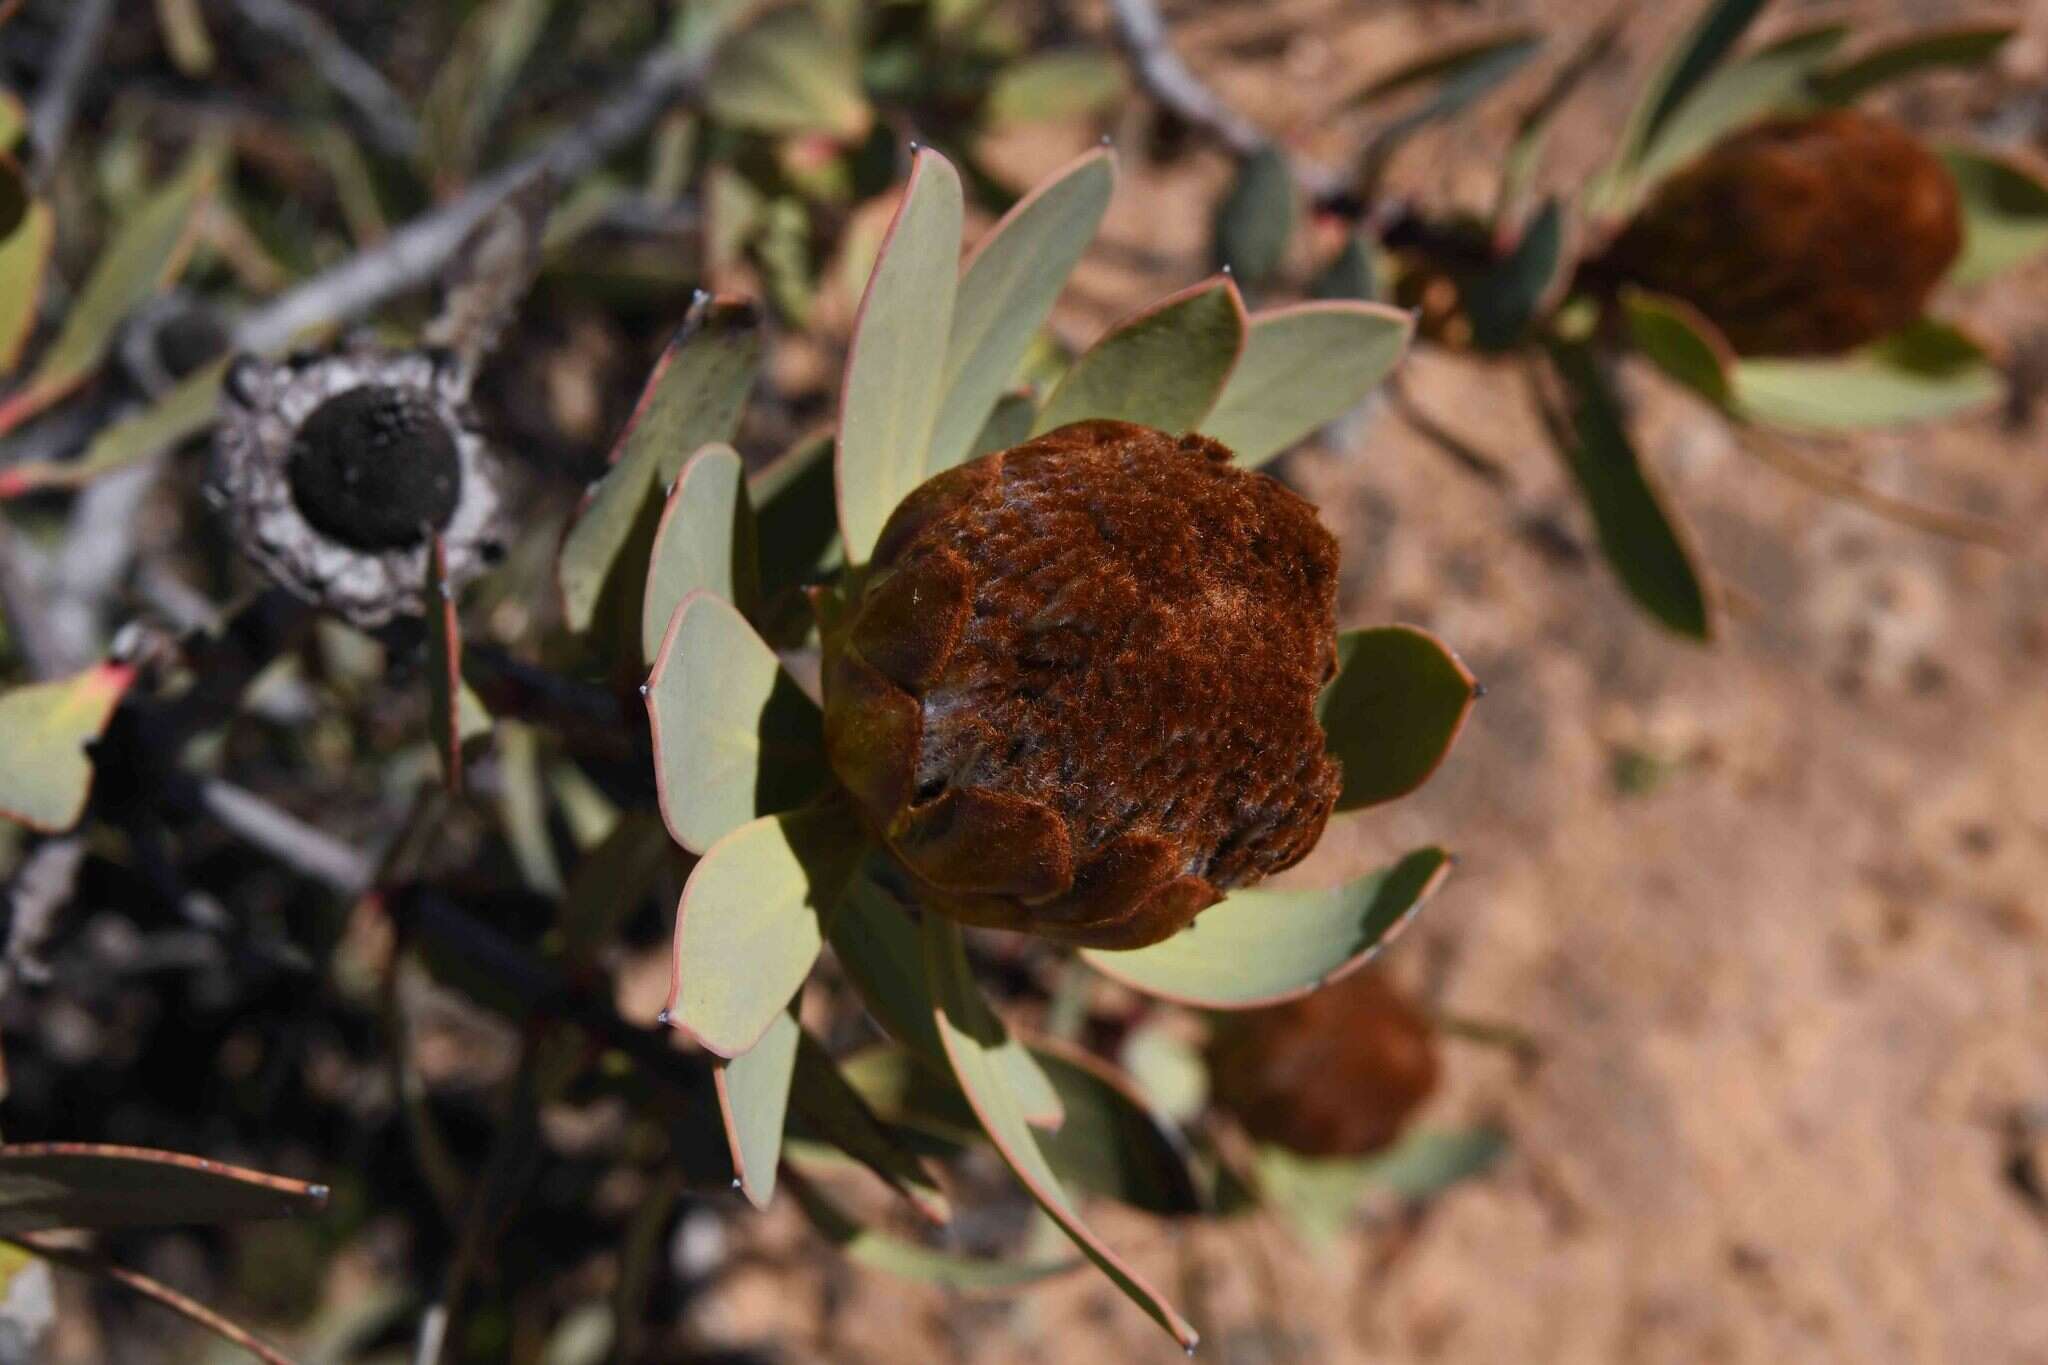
(876, 1250)
(1008, 288)
(693, 399)
(751, 923)
(147, 251)
(24, 264)
(790, 72)
(2005, 213)
(1164, 366)
(44, 729)
(877, 946)
(1054, 85)
(753, 1100)
(734, 736)
(1303, 367)
(1926, 373)
(1964, 45)
(891, 393)
(706, 542)
(974, 1041)
(1392, 712)
(1261, 946)
(1676, 338)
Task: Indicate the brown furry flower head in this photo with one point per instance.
(1336, 1073)
(1075, 695)
(1806, 234)
(337, 470)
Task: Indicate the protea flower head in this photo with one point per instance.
(1075, 694)
(1336, 1073)
(337, 470)
(1805, 234)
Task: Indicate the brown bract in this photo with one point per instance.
(1335, 1073)
(1076, 696)
(1808, 234)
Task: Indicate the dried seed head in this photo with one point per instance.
(1076, 695)
(1808, 234)
(1335, 1073)
(375, 467)
(334, 468)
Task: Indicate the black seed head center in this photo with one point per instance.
(375, 465)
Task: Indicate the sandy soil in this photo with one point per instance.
(1772, 910)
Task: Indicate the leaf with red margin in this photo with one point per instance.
(45, 1185)
(974, 1042)
(145, 254)
(454, 715)
(1163, 366)
(693, 398)
(44, 729)
(753, 1101)
(1303, 367)
(1260, 947)
(750, 923)
(1391, 714)
(889, 398)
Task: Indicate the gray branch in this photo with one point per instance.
(413, 255)
(385, 116)
(287, 838)
(1166, 78)
(49, 118)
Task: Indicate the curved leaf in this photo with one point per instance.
(1112, 1143)
(691, 400)
(1457, 77)
(1255, 218)
(89, 1185)
(706, 542)
(1053, 85)
(1771, 79)
(877, 946)
(1261, 947)
(1636, 533)
(750, 923)
(1303, 367)
(894, 1256)
(974, 1042)
(1392, 712)
(2005, 213)
(1965, 45)
(1503, 301)
(791, 72)
(1163, 366)
(186, 411)
(146, 253)
(890, 396)
(753, 1099)
(1696, 56)
(1011, 280)
(734, 736)
(1676, 338)
(24, 264)
(455, 717)
(831, 1110)
(1319, 1196)
(1925, 373)
(44, 729)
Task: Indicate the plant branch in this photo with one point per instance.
(412, 255)
(92, 1263)
(56, 102)
(1796, 464)
(1161, 74)
(287, 838)
(384, 114)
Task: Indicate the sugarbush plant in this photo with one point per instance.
(1764, 242)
